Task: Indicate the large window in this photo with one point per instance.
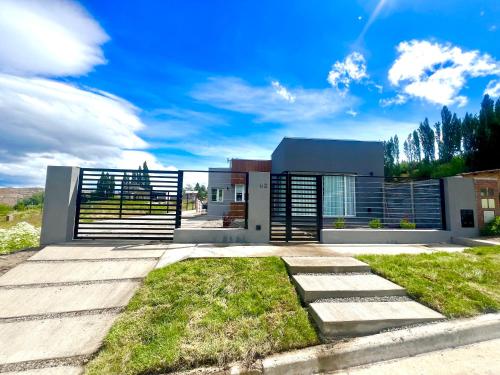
(339, 196)
(217, 195)
(239, 193)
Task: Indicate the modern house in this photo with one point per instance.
(340, 161)
(352, 187)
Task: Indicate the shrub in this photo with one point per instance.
(4, 209)
(375, 224)
(35, 200)
(492, 228)
(20, 236)
(339, 223)
(405, 224)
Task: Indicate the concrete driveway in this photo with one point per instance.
(59, 304)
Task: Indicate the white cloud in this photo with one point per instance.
(352, 69)
(309, 106)
(352, 112)
(283, 92)
(436, 72)
(493, 88)
(47, 122)
(51, 38)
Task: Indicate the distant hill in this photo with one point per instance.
(10, 196)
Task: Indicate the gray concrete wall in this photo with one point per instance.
(259, 191)
(384, 236)
(59, 209)
(211, 235)
(459, 194)
(327, 155)
(219, 181)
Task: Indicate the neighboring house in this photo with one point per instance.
(227, 187)
(487, 187)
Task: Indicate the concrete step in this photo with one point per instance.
(314, 287)
(297, 265)
(363, 318)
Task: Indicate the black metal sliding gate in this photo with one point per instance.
(296, 212)
(128, 204)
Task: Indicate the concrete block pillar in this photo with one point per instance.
(460, 202)
(59, 209)
(259, 190)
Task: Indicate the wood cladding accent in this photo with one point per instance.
(246, 165)
(237, 210)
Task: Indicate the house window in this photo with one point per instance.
(487, 198)
(239, 193)
(217, 195)
(339, 196)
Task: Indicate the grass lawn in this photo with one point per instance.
(455, 284)
(31, 216)
(204, 312)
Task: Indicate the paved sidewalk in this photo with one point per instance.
(59, 304)
(476, 359)
(177, 252)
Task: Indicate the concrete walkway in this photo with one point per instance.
(59, 304)
(476, 359)
(346, 300)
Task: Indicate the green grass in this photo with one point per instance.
(206, 312)
(32, 215)
(455, 284)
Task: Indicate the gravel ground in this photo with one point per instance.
(11, 260)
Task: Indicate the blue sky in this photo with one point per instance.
(188, 84)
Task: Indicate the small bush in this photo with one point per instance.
(4, 209)
(405, 224)
(339, 223)
(492, 228)
(33, 201)
(19, 237)
(375, 224)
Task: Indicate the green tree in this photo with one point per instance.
(439, 140)
(427, 140)
(396, 148)
(146, 179)
(416, 146)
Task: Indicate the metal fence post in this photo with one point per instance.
(288, 209)
(246, 199)
(178, 202)
(121, 195)
(319, 205)
(78, 204)
(443, 203)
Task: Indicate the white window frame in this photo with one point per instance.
(345, 197)
(219, 195)
(242, 186)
